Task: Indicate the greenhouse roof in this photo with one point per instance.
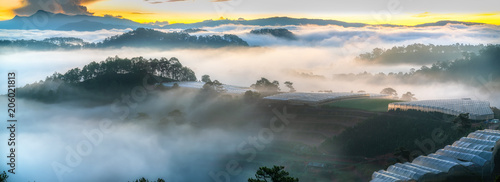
(477, 109)
(469, 154)
(314, 98)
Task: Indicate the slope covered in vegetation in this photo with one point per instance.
(110, 77)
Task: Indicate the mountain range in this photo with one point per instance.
(44, 20)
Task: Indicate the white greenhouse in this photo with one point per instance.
(471, 155)
(478, 110)
(313, 99)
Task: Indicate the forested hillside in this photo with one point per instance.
(141, 37)
(418, 54)
(398, 129)
(479, 69)
(278, 32)
(110, 77)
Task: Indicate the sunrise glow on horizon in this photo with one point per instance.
(192, 11)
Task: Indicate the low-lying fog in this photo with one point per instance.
(67, 142)
(310, 69)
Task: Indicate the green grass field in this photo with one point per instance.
(374, 105)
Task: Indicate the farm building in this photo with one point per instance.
(478, 110)
(230, 89)
(468, 159)
(313, 99)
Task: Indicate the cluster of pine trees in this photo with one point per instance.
(110, 77)
(163, 67)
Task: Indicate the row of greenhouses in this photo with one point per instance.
(478, 110)
(313, 99)
(471, 157)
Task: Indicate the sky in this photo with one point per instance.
(401, 12)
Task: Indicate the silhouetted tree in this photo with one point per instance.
(408, 96)
(213, 86)
(146, 180)
(251, 96)
(389, 91)
(3, 177)
(290, 86)
(275, 174)
(264, 85)
(205, 78)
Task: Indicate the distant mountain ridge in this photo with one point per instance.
(44, 20)
(273, 21)
(445, 22)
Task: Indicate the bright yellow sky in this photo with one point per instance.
(415, 19)
(402, 19)
(191, 11)
(6, 9)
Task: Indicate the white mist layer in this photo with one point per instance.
(310, 69)
(129, 149)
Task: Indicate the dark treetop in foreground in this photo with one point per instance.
(274, 174)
